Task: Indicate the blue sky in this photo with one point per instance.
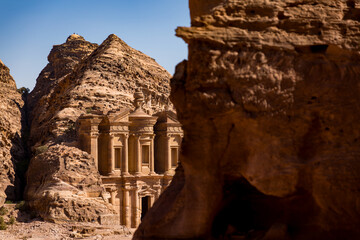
(29, 29)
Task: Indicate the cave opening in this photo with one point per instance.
(245, 212)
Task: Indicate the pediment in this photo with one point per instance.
(147, 191)
(167, 117)
(120, 116)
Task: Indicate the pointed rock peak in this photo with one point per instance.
(112, 38)
(74, 37)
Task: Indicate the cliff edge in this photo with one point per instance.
(269, 103)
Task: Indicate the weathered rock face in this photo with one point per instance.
(65, 185)
(77, 81)
(62, 61)
(269, 103)
(11, 148)
(104, 81)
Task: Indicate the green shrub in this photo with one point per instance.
(11, 220)
(70, 128)
(41, 149)
(21, 206)
(3, 211)
(3, 225)
(89, 110)
(23, 90)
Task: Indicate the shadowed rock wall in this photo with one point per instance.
(269, 102)
(11, 146)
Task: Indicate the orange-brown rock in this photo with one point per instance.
(64, 184)
(11, 147)
(62, 61)
(269, 103)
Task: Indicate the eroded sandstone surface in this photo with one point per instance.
(103, 81)
(11, 147)
(82, 78)
(269, 103)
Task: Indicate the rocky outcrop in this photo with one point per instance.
(65, 185)
(62, 61)
(269, 103)
(80, 80)
(11, 147)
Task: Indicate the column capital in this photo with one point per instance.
(136, 135)
(94, 134)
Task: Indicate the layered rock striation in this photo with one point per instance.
(103, 81)
(62, 61)
(11, 146)
(269, 103)
(64, 184)
(82, 78)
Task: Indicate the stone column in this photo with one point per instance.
(158, 192)
(113, 195)
(138, 155)
(152, 200)
(125, 156)
(137, 208)
(168, 155)
(111, 160)
(94, 147)
(126, 207)
(152, 164)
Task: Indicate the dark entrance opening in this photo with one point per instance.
(145, 205)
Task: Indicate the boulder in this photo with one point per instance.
(64, 184)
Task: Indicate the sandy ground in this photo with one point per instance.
(37, 229)
(26, 227)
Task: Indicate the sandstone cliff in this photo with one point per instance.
(80, 80)
(269, 102)
(62, 61)
(11, 147)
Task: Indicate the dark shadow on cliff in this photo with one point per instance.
(20, 152)
(246, 213)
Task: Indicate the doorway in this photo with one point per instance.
(145, 205)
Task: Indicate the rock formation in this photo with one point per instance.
(62, 61)
(269, 103)
(104, 81)
(82, 78)
(65, 185)
(11, 148)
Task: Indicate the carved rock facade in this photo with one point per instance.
(83, 78)
(135, 153)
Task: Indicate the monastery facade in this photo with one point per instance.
(135, 153)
